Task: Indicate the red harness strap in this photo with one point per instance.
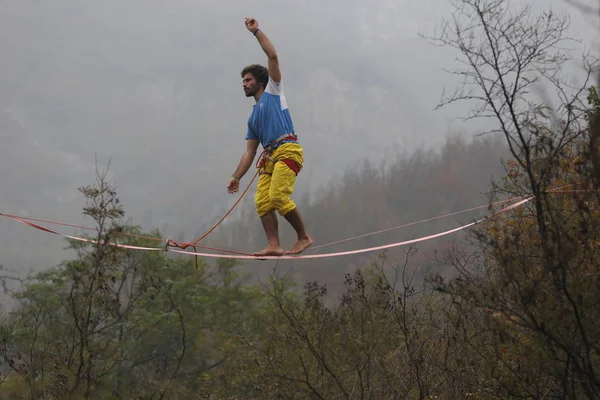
(293, 165)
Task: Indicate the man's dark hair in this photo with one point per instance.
(260, 73)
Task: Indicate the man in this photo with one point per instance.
(270, 124)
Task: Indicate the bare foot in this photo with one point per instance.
(301, 245)
(269, 251)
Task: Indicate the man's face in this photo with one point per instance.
(250, 85)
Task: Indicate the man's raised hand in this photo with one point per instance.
(251, 24)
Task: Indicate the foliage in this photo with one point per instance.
(518, 318)
(534, 275)
(115, 323)
(593, 98)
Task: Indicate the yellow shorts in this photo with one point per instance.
(275, 186)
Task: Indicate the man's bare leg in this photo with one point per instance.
(304, 241)
(270, 224)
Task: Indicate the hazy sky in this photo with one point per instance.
(155, 86)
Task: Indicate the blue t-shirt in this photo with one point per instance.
(270, 117)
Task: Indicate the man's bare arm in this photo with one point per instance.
(247, 158)
(268, 48)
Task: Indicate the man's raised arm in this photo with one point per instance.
(268, 48)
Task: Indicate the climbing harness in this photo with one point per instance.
(286, 138)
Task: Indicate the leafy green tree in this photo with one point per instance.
(116, 323)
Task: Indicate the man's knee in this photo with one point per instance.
(283, 204)
(262, 209)
(263, 203)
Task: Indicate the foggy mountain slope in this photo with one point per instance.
(155, 86)
(369, 197)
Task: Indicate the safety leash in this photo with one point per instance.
(185, 245)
